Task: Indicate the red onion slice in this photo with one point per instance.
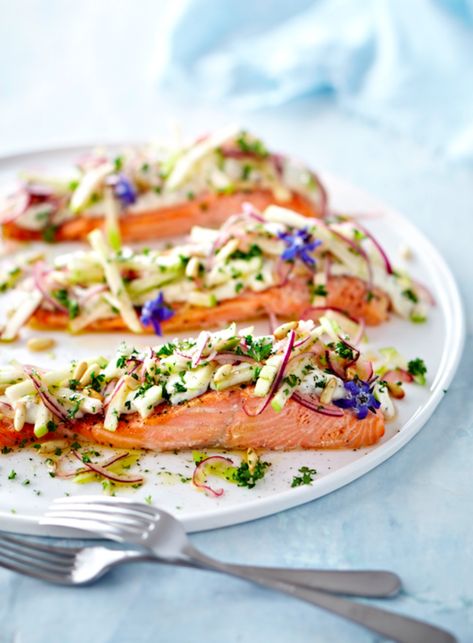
(6, 409)
(102, 471)
(424, 293)
(379, 248)
(20, 202)
(199, 475)
(316, 405)
(277, 379)
(200, 347)
(49, 401)
(39, 272)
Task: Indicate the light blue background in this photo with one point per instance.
(77, 73)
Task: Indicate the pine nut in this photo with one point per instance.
(79, 370)
(329, 390)
(222, 373)
(37, 344)
(193, 267)
(20, 416)
(131, 383)
(95, 394)
(252, 459)
(87, 376)
(282, 331)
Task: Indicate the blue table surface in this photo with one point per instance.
(413, 514)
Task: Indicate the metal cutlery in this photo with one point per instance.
(83, 565)
(141, 525)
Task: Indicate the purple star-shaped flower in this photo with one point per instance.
(124, 190)
(360, 398)
(299, 246)
(154, 312)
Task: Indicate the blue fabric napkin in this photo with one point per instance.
(403, 63)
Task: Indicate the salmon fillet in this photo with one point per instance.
(217, 420)
(288, 301)
(209, 210)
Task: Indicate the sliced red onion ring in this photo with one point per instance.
(59, 473)
(334, 366)
(250, 211)
(379, 248)
(39, 273)
(199, 476)
(20, 202)
(356, 247)
(283, 271)
(316, 405)
(120, 383)
(200, 347)
(424, 292)
(277, 379)
(102, 471)
(49, 401)
(361, 331)
(273, 321)
(92, 292)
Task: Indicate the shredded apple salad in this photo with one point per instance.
(250, 253)
(149, 178)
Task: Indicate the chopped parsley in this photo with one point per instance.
(260, 349)
(251, 146)
(253, 251)
(410, 294)
(166, 350)
(246, 478)
(12, 475)
(306, 477)
(418, 370)
(344, 350)
(319, 291)
(49, 233)
(63, 298)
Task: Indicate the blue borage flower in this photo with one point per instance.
(299, 246)
(360, 398)
(124, 190)
(154, 312)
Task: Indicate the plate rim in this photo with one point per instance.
(454, 314)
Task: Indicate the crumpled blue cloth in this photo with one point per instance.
(407, 64)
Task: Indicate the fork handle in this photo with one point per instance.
(389, 624)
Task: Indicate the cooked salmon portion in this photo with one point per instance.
(289, 301)
(217, 420)
(208, 210)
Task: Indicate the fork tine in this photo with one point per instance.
(26, 570)
(32, 562)
(104, 528)
(115, 514)
(30, 552)
(118, 522)
(31, 544)
(123, 503)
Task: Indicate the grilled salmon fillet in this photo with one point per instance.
(291, 300)
(217, 420)
(208, 210)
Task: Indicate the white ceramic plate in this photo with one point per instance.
(439, 343)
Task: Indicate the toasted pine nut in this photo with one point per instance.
(87, 376)
(20, 416)
(79, 370)
(222, 373)
(37, 344)
(131, 383)
(228, 249)
(95, 394)
(405, 251)
(51, 445)
(282, 331)
(252, 459)
(329, 390)
(193, 267)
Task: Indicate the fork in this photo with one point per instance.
(83, 565)
(160, 533)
